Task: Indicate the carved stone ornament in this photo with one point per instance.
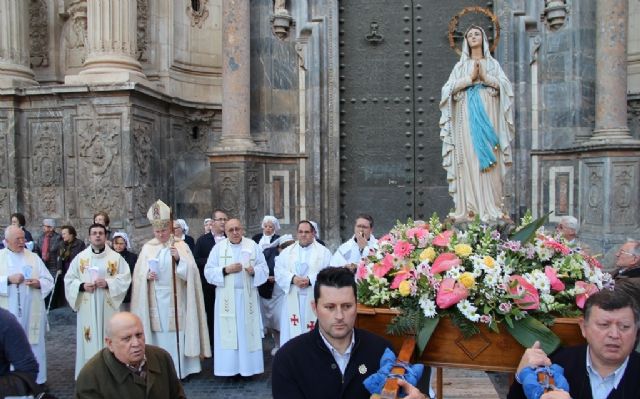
(198, 12)
(143, 22)
(38, 35)
(75, 34)
(281, 21)
(555, 13)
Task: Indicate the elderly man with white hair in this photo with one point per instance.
(568, 229)
(24, 283)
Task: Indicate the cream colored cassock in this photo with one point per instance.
(95, 308)
(237, 327)
(153, 302)
(349, 252)
(297, 316)
(27, 303)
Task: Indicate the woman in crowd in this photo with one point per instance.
(122, 246)
(270, 228)
(181, 231)
(103, 218)
(69, 248)
(17, 219)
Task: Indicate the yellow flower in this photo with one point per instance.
(404, 288)
(489, 261)
(463, 250)
(428, 253)
(467, 279)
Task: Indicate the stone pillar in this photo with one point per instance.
(611, 72)
(14, 44)
(236, 132)
(111, 36)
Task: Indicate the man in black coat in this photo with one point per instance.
(607, 367)
(201, 252)
(333, 359)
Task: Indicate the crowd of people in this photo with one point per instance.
(184, 300)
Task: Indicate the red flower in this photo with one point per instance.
(401, 275)
(528, 297)
(442, 239)
(588, 290)
(450, 293)
(556, 284)
(444, 262)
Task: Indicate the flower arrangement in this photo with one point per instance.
(431, 270)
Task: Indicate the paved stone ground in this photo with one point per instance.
(459, 384)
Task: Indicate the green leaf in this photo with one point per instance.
(529, 330)
(527, 233)
(427, 328)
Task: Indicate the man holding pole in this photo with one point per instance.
(167, 295)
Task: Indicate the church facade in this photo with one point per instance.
(309, 109)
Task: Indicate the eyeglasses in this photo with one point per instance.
(622, 251)
(234, 229)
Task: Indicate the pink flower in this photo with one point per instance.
(401, 275)
(387, 238)
(450, 293)
(587, 289)
(444, 262)
(442, 239)
(362, 272)
(529, 299)
(557, 246)
(556, 284)
(381, 269)
(417, 233)
(402, 249)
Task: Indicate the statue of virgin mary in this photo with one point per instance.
(476, 127)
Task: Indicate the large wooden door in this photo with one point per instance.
(394, 59)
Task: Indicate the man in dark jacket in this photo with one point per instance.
(334, 358)
(607, 367)
(15, 352)
(127, 368)
(627, 274)
(201, 252)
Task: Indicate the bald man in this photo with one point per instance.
(127, 368)
(236, 266)
(24, 283)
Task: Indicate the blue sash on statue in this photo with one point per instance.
(482, 133)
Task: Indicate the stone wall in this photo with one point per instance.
(71, 153)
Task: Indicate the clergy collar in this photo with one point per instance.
(99, 250)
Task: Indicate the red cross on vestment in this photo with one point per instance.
(311, 325)
(294, 320)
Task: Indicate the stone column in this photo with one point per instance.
(236, 133)
(111, 36)
(14, 44)
(611, 72)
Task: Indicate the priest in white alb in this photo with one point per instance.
(24, 283)
(95, 285)
(296, 270)
(154, 300)
(236, 266)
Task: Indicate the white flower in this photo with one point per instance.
(428, 306)
(468, 310)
